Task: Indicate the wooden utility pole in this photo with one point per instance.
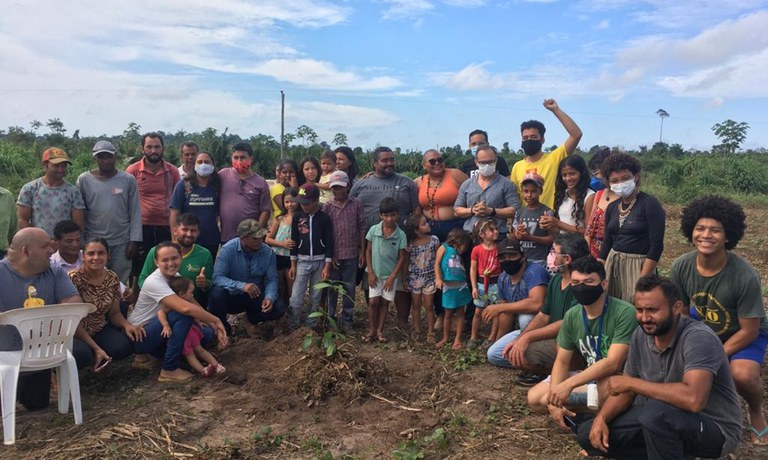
(282, 124)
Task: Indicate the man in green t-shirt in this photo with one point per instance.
(599, 328)
(534, 349)
(723, 290)
(196, 261)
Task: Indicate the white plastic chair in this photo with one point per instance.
(46, 333)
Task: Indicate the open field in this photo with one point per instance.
(398, 400)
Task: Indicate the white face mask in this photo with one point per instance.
(624, 189)
(204, 169)
(487, 170)
(474, 151)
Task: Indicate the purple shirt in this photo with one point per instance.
(240, 200)
(348, 225)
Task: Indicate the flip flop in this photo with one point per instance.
(759, 434)
(367, 338)
(381, 339)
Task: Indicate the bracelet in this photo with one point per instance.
(493, 211)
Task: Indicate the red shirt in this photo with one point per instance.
(486, 259)
(155, 191)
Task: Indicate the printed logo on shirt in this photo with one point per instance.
(32, 300)
(706, 307)
(303, 225)
(117, 190)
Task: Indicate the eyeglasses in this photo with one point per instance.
(436, 161)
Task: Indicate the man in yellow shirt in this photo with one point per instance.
(544, 164)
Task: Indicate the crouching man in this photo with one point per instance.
(676, 398)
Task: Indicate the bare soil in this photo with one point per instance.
(402, 399)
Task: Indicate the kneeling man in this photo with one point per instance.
(676, 398)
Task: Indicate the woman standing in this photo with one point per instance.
(573, 197)
(634, 228)
(595, 232)
(101, 287)
(438, 190)
(155, 293)
(345, 161)
(199, 194)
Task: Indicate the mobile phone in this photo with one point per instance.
(569, 421)
(102, 365)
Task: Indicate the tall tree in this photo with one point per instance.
(339, 139)
(662, 114)
(731, 134)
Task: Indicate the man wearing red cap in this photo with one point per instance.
(49, 199)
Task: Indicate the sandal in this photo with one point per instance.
(381, 339)
(368, 338)
(758, 434)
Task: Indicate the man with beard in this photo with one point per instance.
(156, 179)
(599, 328)
(26, 274)
(544, 164)
(189, 150)
(522, 287)
(370, 190)
(112, 209)
(534, 349)
(50, 199)
(196, 261)
(676, 398)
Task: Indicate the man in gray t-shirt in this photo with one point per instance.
(676, 398)
(112, 209)
(28, 278)
(385, 182)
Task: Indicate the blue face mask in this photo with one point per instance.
(596, 184)
(474, 151)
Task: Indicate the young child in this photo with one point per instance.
(279, 239)
(484, 271)
(309, 170)
(384, 257)
(420, 272)
(347, 216)
(573, 197)
(327, 166)
(311, 257)
(451, 277)
(185, 288)
(534, 240)
(285, 177)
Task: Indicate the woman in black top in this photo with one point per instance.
(634, 228)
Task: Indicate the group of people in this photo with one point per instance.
(556, 258)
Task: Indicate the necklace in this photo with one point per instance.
(624, 212)
(431, 199)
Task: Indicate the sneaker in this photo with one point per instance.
(528, 379)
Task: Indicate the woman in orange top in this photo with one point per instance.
(438, 190)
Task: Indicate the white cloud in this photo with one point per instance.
(673, 14)
(404, 9)
(320, 74)
(465, 3)
(334, 118)
(603, 25)
(473, 77)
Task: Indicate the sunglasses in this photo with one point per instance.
(436, 161)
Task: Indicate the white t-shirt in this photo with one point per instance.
(565, 211)
(154, 290)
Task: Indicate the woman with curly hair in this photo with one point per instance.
(573, 197)
(634, 228)
(723, 290)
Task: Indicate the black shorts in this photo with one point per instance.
(283, 262)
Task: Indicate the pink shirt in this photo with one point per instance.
(240, 200)
(155, 191)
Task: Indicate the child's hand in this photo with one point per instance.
(390, 283)
(371, 280)
(439, 283)
(326, 272)
(292, 272)
(288, 244)
(167, 331)
(475, 293)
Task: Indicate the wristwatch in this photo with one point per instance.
(493, 211)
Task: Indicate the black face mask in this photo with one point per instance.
(511, 267)
(586, 295)
(531, 146)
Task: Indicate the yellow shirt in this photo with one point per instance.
(546, 167)
(275, 190)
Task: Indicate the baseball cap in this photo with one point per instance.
(251, 227)
(104, 146)
(308, 192)
(55, 156)
(339, 178)
(533, 177)
(509, 246)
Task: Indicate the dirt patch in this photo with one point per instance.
(402, 400)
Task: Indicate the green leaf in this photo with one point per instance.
(330, 350)
(328, 340)
(316, 314)
(307, 342)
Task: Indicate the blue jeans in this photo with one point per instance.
(308, 274)
(114, 342)
(495, 351)
(223, 302)
(346, 273)
(153, 343)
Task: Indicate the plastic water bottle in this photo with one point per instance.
(592, 396)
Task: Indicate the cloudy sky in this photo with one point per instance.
(409, 73)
